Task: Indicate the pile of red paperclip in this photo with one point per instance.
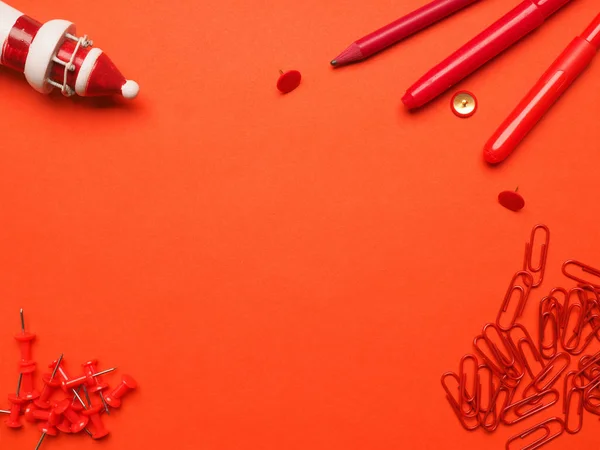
(493, 389)
(70, 413)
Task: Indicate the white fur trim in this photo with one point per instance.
(83, 77)
(46, 43)
(130, 89)
(8, 17)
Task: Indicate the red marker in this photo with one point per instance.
(561, 74)
(519, 22)
(398, 30)
(51, 56)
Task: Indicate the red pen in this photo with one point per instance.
(556, 80)
(398, 30)
(519, 22)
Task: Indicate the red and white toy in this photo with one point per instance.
(50, 55)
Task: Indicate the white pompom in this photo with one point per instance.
(130, 89)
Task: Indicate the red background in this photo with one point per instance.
(281, 272)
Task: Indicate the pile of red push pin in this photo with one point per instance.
(67, 413)
(511, 378)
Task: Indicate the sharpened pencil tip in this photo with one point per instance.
(334, 62)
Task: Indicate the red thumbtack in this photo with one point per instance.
(50, 385)
(24, 338)
(53, 416)
(58, 367)
(47, 430)
(64, 426)
(76, 382)
(14, 419)
(93, 413)
(95, 384)
(78, 422)
(288, 81)
(114, 398)
(27, 370)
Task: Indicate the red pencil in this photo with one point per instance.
(561, 74)
(398, 30)
(523, 19)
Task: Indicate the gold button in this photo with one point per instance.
(464, 104)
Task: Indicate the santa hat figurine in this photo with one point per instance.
(51, 56)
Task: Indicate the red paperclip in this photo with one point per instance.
(584, 268)
(464, 395)
(523, 292)
(528, 263)
(491, 389)
(589, 362)
(548, 436)
(505, 364)
(464, 421)
(496, 406)
(567, 409)
(547, 371)
(518, 348)
(532, 401)
(548, 349)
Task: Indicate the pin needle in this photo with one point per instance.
(104, 372)
(19, 384)
(22, 321)
(87, 396)
(41, 440)
(56, 367)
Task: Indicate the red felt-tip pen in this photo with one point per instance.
(556, 80)
(405, 26)
(526, 17)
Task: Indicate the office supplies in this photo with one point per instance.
(549, 369)
(553, 83)
(550, 318)
(539, 441)
(568, 395)
(100, 431)
(463, 104)
(511, 200)
(585, 269)
(528, 264)
(547, 398)
(526, 17)
(523, 295)
(398, 30)
(114, 397)
(288, 81)
(95, 382)
(50, 55)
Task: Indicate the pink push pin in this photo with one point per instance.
(77, 422)
(47, 430)
(114, 398)
(93, 413)
(95, 384)
(25, 339)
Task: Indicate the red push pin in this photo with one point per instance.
(511, 200)
(50, 385)
(53, 416)
(114, 398)
(83, 379)
(77, 422)
(95, 383)
(57, 366)
(27, 368)
(16, 402)
(25, 339)
(93, 413)
(288, 81)
(47, 430)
